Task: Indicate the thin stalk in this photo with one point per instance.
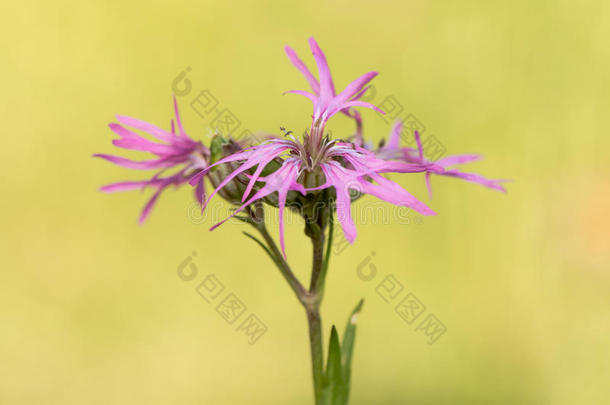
(329, 243)
(316, 290)
(289, 276)
(317, 355)
(309, 299)
(317, 240)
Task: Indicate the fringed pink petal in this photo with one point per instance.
(333, 110)
(327, 87)
(307, 94)
(144, 146)
(281, 181)
(146, 127)
(200, 192)
(366, 163)
(255, 176)
(231, 158)
(360, 93)
(123, 132)
(149, 205)
(178, 120)
(354, 88)
(456, 160)
(124, 186)
(392, 192)
(342, 184)
(161, 185)
(131, 164)
(476, 178)
(428, 185)
(257, 155)
(298, 63)
(394, 138)
(420, 148)
(401, 167)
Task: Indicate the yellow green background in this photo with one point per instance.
(92, 310)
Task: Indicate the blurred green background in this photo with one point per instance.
(91, 307)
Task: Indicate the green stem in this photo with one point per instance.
(256, 219)
(322, 278)
(316, 291)
(317, 241)
(289, 276)
(309, 299)
(317, 355)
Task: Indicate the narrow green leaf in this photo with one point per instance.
(329, 244)
(333, 376)
(347, 348)
(261, 244)
(333, 368)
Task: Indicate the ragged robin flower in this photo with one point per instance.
(298, 174)
(332, 164)
(315, 84)
(442, 167)
(173, 150)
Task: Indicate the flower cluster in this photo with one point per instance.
(305, 166)
(392, 151)
(173, 150)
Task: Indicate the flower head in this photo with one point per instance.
(345, 167)
(279, 169)
(442, 167)
(339, 166)
(325, 100)
(172, 150)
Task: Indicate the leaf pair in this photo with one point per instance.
(336, 381)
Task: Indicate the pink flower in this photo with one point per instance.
(318, 163)
(344, 166)
(172, 150)
(326, 101)
(392, 151)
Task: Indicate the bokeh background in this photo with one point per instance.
(92, 309)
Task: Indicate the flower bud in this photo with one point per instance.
(233, 190)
